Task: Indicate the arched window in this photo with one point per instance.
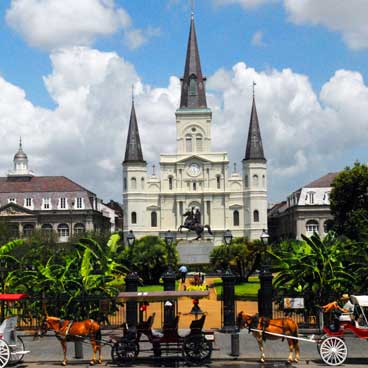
(218, 181)
(153, 219)
(134, 217)
(79, 228)
(188, 143)
(28, 230)
(133, 182)
(63, 230)
(236, 218)
(263, 181)
(255, 180)
(199, 143)
(194, 186)
(170, 182)
(311, 227)
(125, 184)
(142, 183)
(255, 216)
(246, 181)
(46, 228)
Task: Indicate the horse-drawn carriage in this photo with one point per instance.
(194, 346)
(332, 346)
(11, 346)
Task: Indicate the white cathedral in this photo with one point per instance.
(195, 176)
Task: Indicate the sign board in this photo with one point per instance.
(293, 303)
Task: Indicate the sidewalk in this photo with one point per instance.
(47, 351)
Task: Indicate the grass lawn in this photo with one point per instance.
(160, 287)
(247, 290)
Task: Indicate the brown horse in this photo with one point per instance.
(280, 326)
(66, 330)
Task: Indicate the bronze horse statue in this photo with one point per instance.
(192, 223)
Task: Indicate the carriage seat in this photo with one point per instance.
(196, 325)
(7, 330)
(169, 329)
(346, 317)
(145, 326)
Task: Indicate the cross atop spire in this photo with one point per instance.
(133, 151)
(254, 150)
(193, 94)
(192, 7)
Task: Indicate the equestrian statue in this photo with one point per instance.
(192, 222)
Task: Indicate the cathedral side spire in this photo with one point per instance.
(254, 150)
(193, 93)
(133, 151)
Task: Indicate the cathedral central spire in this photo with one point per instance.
(193, 93)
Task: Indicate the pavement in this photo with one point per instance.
(46, 352)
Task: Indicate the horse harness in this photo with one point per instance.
(63, 332)
(264, 322)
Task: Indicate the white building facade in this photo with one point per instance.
(195, 176)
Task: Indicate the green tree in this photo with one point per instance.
(149, 258)
(313, 268)
(349, 202)
(241, 255)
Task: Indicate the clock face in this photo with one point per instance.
(194, 170)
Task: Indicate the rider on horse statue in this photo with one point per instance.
(193, 222)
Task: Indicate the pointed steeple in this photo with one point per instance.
(193, 93)
(254, 150)
(133, 151)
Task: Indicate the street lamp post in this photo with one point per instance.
(131, 284)
(169, 279)
(265, 293)
(228, 293)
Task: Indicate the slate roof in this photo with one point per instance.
(323, 182)
(39, 184)
(193, 96)
(254, 150)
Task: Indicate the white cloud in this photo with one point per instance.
(347, 17)
(135, 38)
(52, 24)
(84, 136)
(244, 3)
(257, 39)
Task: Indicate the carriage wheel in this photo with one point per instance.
(15, 357)
(196, 349)
(333, 350)
(124, 351)
(4, 353)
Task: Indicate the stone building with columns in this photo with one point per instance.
(48, 203)
(195, 175)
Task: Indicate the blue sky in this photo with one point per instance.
(309, 62)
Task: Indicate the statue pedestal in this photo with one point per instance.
(195, 251)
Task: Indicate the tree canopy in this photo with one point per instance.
(349, 202)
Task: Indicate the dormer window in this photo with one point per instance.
(12, 200)
(62, 203)
(46, 203)
(28, 202)
(310, 198)
(80, 203)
